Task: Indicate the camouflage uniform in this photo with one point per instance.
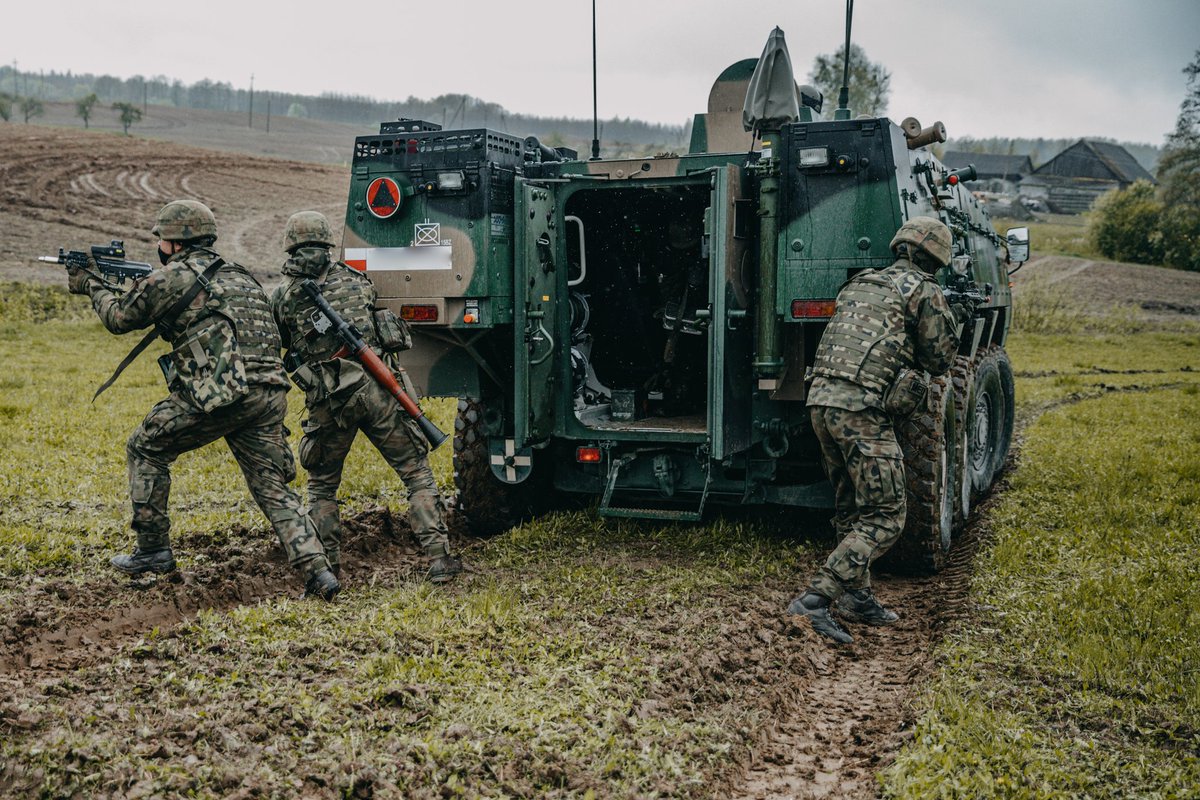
(226, 380)
(886, 320)
(343, 399)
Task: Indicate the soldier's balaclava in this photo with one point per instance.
(309, 261)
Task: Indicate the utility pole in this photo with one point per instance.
(251, 100)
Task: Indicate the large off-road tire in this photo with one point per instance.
(962, 375)
(989, 419)
(488, 505)
(928, 439)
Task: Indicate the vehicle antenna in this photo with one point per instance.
(843, 109)
(595, 116)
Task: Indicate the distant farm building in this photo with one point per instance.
(1071, 181)
(995, 173)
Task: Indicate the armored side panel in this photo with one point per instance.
(430, 218)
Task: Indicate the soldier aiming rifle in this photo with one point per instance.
(226, 381)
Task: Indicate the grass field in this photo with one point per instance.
(591, 658)
(1079, 675)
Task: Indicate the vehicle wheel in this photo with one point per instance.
(928, 440)
(989, 422)
(962, 374)
(1008, 386)
(488, 505)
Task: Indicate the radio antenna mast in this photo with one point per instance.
(843, 109)
(595, 116)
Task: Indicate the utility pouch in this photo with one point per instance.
(207, 368)
(394, 334)
(305, 379)
(906, 393)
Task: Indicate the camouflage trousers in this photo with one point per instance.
(253, 429)
(329, 432)
(866, 467)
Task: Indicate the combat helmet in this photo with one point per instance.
(927, 234)
(185, 220)
(307, 228)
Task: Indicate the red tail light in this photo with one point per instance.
(813, 309)
(587, 455)
(419, 313)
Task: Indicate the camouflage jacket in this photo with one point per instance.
(234, 296)
(886, 320)
(310, 352)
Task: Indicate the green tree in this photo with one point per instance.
(31, 107)
(129, 114)
(83, 107)
(5, 107)
(1179, 179)
(870, 84)
(1125, 224)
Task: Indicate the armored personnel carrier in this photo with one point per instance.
(637, 332)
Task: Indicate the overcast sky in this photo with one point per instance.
(1052, 68)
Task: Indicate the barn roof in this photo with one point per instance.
(989, 165)
(1089, 158)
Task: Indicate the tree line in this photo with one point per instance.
(449, 110)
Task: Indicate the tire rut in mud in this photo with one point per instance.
(64, 625)
(854, 713)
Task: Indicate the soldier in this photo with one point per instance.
(226, 380)
(343, 399)
(889, 325)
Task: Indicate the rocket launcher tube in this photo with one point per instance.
(354, 346)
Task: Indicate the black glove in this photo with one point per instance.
(962, 312)
(78, 279)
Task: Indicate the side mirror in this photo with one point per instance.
(1018, 245)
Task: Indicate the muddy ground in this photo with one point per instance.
(837, 715)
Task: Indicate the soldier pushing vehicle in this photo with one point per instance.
(226, 381)
(891, 326)
(319, 298)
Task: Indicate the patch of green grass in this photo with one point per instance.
(1056, 234)
(1079, 678)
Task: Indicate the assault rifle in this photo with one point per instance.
(961, 290)
(110, 260)
(354, 346)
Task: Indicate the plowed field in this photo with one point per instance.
(67, 188)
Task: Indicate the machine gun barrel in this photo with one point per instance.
(354, 345)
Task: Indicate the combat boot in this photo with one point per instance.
(323, 585)
(159, 561)
(443, 569)
(816, 608)
(860, 605)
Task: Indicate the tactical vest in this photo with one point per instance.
(236, 296)
(349, 293)
(867, 342)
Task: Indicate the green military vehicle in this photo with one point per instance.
(636, 332)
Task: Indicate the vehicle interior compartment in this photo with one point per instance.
(639, 293)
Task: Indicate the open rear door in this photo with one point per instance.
(536, 286)
(731, 344)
